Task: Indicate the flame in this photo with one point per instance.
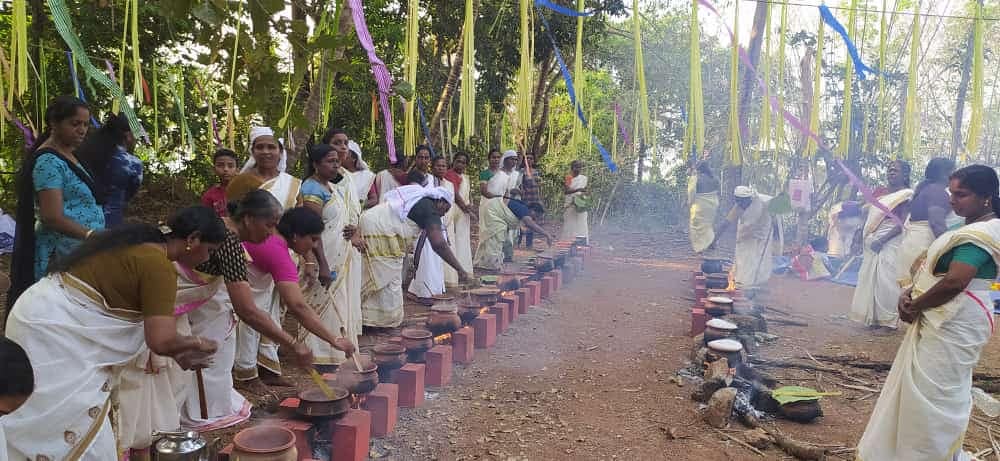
(732, 281)
(442, 339)
(504, 294)
(357, 400)
(484, 310)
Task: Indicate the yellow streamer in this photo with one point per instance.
(765, 106)
(18, 50)
(882, 123)
(779, 122)
(578, 76)
(811, 145)
(410, 68)
(136, 62)
(911, 131)
(844, 144)
(976, 121)
(230, 104)
(735, 143)
(467, 103)
(522, 102)
(696, 104)
(642, 104)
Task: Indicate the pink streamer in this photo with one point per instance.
(798, 125)
(382, 78)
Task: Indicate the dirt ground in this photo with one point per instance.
(587, 375)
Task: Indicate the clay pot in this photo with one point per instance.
(508, 282)
(468, 312)
(416, 341)
(581, 240)
(544, 264)
(389, 357)
(443, 320)
(313, 402)
(358, 381)
(716, 281)
(485, 296)
(714, 266)
(265, 443)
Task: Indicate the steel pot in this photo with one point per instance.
(181, 446)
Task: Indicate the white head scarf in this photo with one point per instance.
(354, 147)
(507, 155)
(743, 192)
(256, 132)
(403, 198)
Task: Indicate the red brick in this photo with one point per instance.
(700, 292)
(557, 279)
(522, 300)
(534, 293)
(437, 372)
(288, 408)
(513, 310)
(463, 344)
(499, 310)
(383, 403)
(547, 286)
(301, 430)
(410, 379)
(698, 319)
(351, 435)
(485, 327)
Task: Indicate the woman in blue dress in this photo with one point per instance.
(64, 202)
(118, 174)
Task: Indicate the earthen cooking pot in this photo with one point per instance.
(358, 381)
(265, 443)
(389, 355)
(468, 311)
(716, 281)
(416, 341)
(443, 320)
(485, 296)
(314, 403)
(714, 266)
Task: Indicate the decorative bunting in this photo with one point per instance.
(976, 121)
(844, 144)
(735, 143)
(230, 103)
(695, 132)
(423, 125)
(911, 130)
(779, 122)
(467, 102)
(765, 108)
(524, 74)
(579, 12)
(882, 122)
(18, 49)
(859, 66)
(817, 89)
(568, 79)
(578, 71)
(410, 61)
(61, 19)
(642, 102)
(382, 78)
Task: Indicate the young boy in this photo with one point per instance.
(225, 168)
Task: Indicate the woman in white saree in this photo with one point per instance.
(388, 230)
(268, 161)
(923, 410)
(575, 220)
(460, 221)
(500, 215)
(703, 200)
(94, 313)
(878, 290)
(329, 191)
(429, 278)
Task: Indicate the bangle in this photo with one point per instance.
(309, 263)
(88, 234)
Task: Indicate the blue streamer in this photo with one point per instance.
(572, 95)
(79, 88)
(859, 66)
(563, 10)
(423, 125)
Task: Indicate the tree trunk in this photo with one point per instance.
(800, 165)
(447, 93)
(543, 122)
(963, 89)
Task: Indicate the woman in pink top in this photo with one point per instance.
(274, 281)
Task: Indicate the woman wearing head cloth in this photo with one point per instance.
(388, 230)
(268, 162)
(429, 278)
(923, 410)
(758, 237)
(364, 178)
(877, 292)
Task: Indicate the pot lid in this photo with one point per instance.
(720, 300)
(720, 324)
(725, 345)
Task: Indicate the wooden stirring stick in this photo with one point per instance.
(202, 403)
(321, 384)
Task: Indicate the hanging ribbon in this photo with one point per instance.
(568, 79)
(764, 143)
(522, 99)
(911, 130)
(18, 49)
(578, 71)
(410, 62)
(626, 139)
(61, 19)
(643, 130)
(563, 10)
(867, 193)
(846, 127)
(423, 125)
(976, 120)
(79, 88)
(695, 118)
(811, 144)
(735, 142)
(382, 78)
(859, 66)
(467, 100)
